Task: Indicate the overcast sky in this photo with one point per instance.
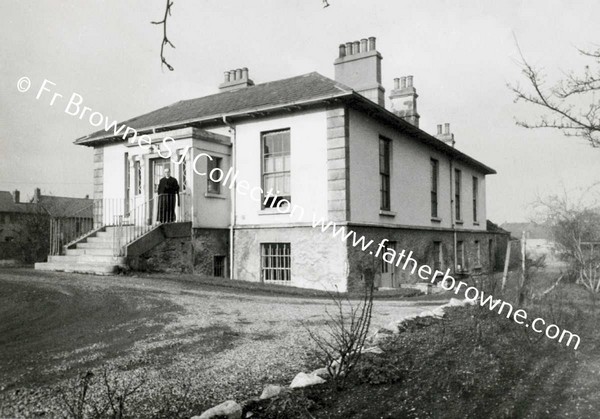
(462, 55)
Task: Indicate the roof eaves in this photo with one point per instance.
(429, 139)
(239, 113)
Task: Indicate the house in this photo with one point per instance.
(24, 224)
(291, 152)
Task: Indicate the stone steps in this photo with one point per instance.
(86, 268)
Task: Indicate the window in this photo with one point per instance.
(435, 173)
(437, 256)
(127, 185)
(475, 193)
(212, 186)
(477, 253)
(137, 168)
(384, 172)
(457, 182)
(219, 266)
(183, 174)
(276, 168)
(276, 262)
(460, 256)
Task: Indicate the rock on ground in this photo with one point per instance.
(270, 390)
(229, 409)
(305, 380)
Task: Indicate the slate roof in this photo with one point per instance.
(307, 88)
(311, 86)
(7, 204)
(56, 206)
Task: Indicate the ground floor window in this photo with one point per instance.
(219, 266)
(276, 262)
(438, 257)
(460, 256)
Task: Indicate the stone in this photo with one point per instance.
(229, 409)
(305, 380)
(270, 391)
(321, 372)
(372, 350)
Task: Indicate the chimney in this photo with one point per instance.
(16, 196)
(358, 66)
(404, 100)
(236, 79)
(36, 195)
(445, 135)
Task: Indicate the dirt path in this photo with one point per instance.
(53, 325)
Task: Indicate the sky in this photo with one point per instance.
(462, 54)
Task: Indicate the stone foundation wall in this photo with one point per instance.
(206, 244)
(421, 243)
(318, 260)
(171, 255)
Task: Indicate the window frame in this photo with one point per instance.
(137, 168)
(435, 181)
(281, 262)
(212, 163)
(385, 174)
(460, 256)
(475, 198)
(274, 200)
(457, 194)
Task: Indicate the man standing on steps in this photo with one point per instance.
(168, 192)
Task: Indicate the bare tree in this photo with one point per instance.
(571, 105)
(341, 345)
(166, 41)
(576, 230)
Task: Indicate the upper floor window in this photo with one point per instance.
(212, 186)
(457, 187)
(475, 194)
(384, 172)
(435, 174)
(276, 167)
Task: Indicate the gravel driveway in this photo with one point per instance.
(227, 342)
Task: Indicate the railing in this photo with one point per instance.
(124, 218)
(148, 215)
(64, 230)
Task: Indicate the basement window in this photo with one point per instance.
(219, 263)
(276, 262)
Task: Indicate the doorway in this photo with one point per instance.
(388, 270)
(157, 170)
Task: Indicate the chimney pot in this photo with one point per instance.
(226, 79)
(16, 196)
(349, 48)
(364, 45)
(356, 47)
(342, 50)
(245, 73)
(409, 81)
(238, 74)
(402, 82)
(439, 128)
(372, 46)
(396, 83)
(446, 128)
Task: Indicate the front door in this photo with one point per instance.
(388, 270)
(157, 170)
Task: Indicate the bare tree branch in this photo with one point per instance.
(572, 120)
(165, 40)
